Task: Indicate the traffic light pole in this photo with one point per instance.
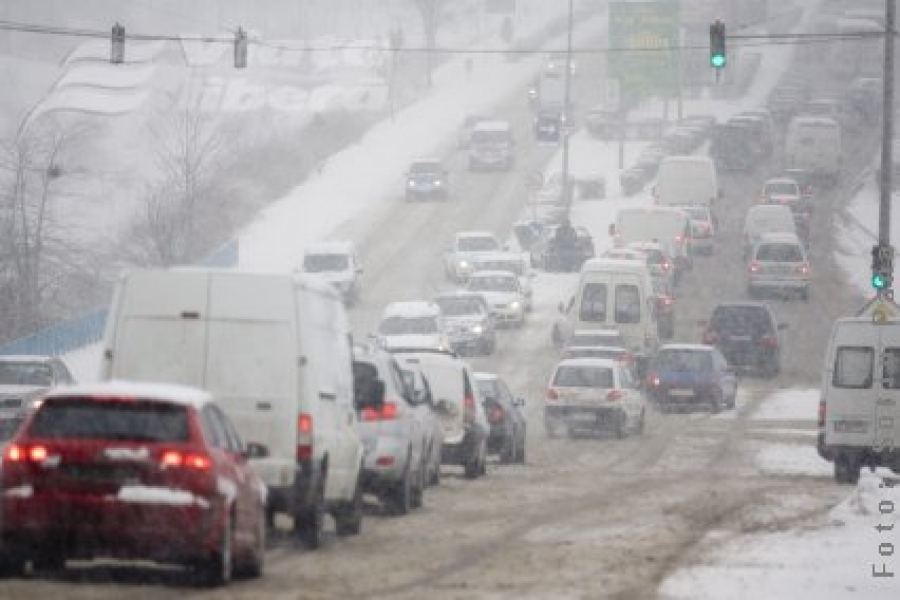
(885, 262)
(566, 126)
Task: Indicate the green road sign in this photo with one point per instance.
(643, 37)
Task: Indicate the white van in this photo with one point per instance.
(613, 294)
(667, 225)
(859, 410)
(276, 351)
(458, 402)
(491, 146)
(686, 180)
(766, 218)
(814, 144)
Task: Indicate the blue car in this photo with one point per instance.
(691, 375)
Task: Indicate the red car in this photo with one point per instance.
(132, 471)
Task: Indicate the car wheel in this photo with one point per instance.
(715, 404)
(308, 521)
(436, 475)
(483, 469)
(348, 519)
(399, 497)
(255, 564)
(215, 569)
(49, 560)
(846, 469)
(11, 564)
(418, 490)
(473, 465)
(508, 452)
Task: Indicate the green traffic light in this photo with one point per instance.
(878, 282)
(717, 60)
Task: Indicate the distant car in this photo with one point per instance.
(465, 129)
(426, 178)
(779, 262)
(593, 394)
(766, 218)
(807, 182)
(414, 324)
(504, 294)
(514, 262)
(549, 254)
(491, 146)
(748, 335)
(703, 229)
(396, 439)
(467, 246)
(337, 263)
(133, 471)
(658, 259)
(469, 322)
(691, 374)
(788, 192)
(504, 415)
(548, 125)
(24, 380)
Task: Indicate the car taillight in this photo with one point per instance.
(188, 460)
(753, 267)
(653, 380)
(469, 408)
(387, 412)
(666, 266)
(552, 394)
(822, 413)
(769, 341)
(304, 438)
(614, 395)
(496, 414)
(710, 337)
(803, 269)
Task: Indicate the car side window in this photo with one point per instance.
(231, 435)
(213, 430)
(853, 367)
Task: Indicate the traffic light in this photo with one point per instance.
(717, 54)
(882, 267)
(240, 49)
(117, 45)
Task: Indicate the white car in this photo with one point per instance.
(413, 325)
(336, 262)
(504, 294)
(507, 260)
(593, 394)
(779, 261)
(703, 229)
(466, 248)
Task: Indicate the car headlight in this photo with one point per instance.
(477, 329)
(438, 183)
(514, 305)
(411, 183)
(463, 264)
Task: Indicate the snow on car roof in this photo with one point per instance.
(607, 332)
(480, 274)
(335, 247)
(782, 237)
(412, 308)
(165, 392)
(474, 234)
(26, 358)
(588, 362)
(691, 347)
(494, 125)
(784, 180)
(481, 375)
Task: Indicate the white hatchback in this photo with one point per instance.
(504, 293)
(779, 261)
(593, 394)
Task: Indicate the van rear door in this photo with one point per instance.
(887, 405)
(853, 389)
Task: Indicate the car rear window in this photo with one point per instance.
(853, 367)
(741, 318)
(628, 304)
(684, 360)
(121, 420)
(583, 376)
(771, 252)
(593, 303)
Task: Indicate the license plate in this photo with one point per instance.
(681, 393)
(590, 417)
(741, 338)
(851, 426)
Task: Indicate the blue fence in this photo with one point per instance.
(87, 329)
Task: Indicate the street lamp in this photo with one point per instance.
(566, 120)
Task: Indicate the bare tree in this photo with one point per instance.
(36, 252)
(185, 209)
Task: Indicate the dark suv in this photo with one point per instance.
(747, 333)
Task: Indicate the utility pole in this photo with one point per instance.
(883, 253)
(566, 126)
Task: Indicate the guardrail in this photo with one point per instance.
(87, 329)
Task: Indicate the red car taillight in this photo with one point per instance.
(753, 267)
(769, 341)
(387, 412)
(710, 337)
(496, 415)
(16, 453)
(469, 409)
(803, 269)
(653, 380)
(612, 395)
(304, 438)
(552, 394)
(189, 460)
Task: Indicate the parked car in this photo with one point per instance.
(691, 374)
(504, 294)
(469, 322)
(130, 471)
(458, 402)
(337, 263)
(426, 178)
(779, 262)
(413, 324)
(747, 334)
(504, 415)
(593, 394)
(550, 255)
(395, 435)
(467, 246)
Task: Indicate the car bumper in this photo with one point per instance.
(583, 416)
(462, 452)
(99, 526)
(385, 462)
(775, 282)
(508, 315)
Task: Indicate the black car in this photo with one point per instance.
(426, 178)
(552, 253)
(691, 374)
(548, 126)
(507, 435)
(748, 335)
